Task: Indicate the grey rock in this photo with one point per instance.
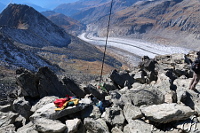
(143, 97)
(95, 92)
(171, 97)
(69, 110)
(141, 77)
(119, 78)
(114, 116)
(8, 129)
(48, 111)
(43, 101)
(91, 112)
(132, 112)
(165, 113)
(49, 84)
(7, 118)
(5, 108)
(28, 128)
(138, 126)
(73, 87)
(73, 125)
(45, 111)
(28, 84)
(49, 126)
(116, 130)
(23, 107)
(95, 126)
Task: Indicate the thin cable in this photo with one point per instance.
(108, 28)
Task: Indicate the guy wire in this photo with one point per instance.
(108, 28)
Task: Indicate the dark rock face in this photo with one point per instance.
(73, 87)
(49, 85)
(43, 83)
(121, 78)
(28, 81)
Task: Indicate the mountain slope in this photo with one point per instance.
(16, 56)
(91, 11)
(70, 25)
(173, 22)
(31, 33)
(76, 7)
(21, 22)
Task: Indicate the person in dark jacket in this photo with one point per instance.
(196, 73)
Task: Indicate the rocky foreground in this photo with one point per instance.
(152, 97)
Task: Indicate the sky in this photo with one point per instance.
(48, 4)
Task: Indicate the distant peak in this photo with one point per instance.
(18, 16)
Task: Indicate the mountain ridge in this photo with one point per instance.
(33, 25)
(38, 36)
(155, 21)
(70, 25)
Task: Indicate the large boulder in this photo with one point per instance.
(43, 101)
(73, 87)
(138, 126)
(43, 83)
(7, 118)
(121, 78)
(131, 112)
(165, 113)
(28, 128)
(23, 107)
(48, 111)
(45, 111)
(49, 84)
(49, 126)
(74, 126)
(148, 64)
(95, 126)
(91, 112)
(27, 81)
(143, 97)
(8, 129)
(91, 89)
(114, 116)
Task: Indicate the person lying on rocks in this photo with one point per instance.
(196, 72)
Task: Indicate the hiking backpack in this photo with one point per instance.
(196, 66)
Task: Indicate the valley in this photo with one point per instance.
(60, 74)
(132, 49)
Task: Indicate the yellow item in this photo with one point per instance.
(76, 101)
